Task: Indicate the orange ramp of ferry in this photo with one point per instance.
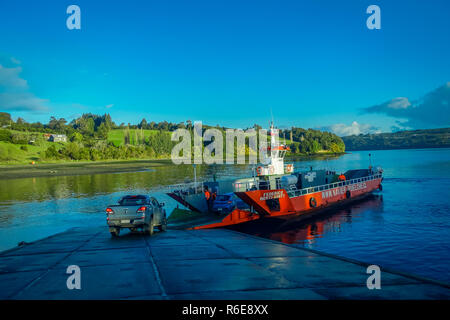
(235, 217)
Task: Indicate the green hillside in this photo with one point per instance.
(19, 149)
(21, 153)
(97, 138)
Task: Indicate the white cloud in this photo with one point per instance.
(22, 101)
(14, 94)
(432, 110)
(109, 106)
(15, 61)
(354, 128)
(398, 103)
(10, 79)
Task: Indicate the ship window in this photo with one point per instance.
(273, 204)
(263, 185)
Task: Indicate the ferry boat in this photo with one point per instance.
(269, 172)
(275, 190)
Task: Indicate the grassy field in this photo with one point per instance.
(179, 215)
(25, 153)
(116, 136)
(14, 154)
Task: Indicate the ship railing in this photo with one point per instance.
(300, 192)
(252, 185)
(185, 189)
(292, 190)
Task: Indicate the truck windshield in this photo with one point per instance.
(132, 201)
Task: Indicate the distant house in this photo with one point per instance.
(57, 138)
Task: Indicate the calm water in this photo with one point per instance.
(405, 227)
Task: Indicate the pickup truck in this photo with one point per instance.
(136, 212)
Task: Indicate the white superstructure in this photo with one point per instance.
(273, 161)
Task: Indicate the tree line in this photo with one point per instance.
(408, 139)
(87, 138)
(310, 141)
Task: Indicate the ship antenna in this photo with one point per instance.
(271, 114)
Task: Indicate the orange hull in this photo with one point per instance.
(302, 203)
(298, 205)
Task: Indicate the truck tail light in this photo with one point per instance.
(141, 210)
(108, 212)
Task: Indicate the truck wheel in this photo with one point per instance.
(163, 226)
(115, 232)
(150, 228)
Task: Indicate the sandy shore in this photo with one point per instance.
(77, 168)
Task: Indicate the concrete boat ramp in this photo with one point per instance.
(197, 264)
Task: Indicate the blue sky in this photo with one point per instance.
(314, 63)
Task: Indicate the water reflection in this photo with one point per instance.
(60, 187)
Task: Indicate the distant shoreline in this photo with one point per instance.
(71, 168)
(17, 171)
(400, 148)
(410, 139)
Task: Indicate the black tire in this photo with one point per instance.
(115, 232)
(313, 202)
(150, 228)
(163, 226)
(348, 194)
